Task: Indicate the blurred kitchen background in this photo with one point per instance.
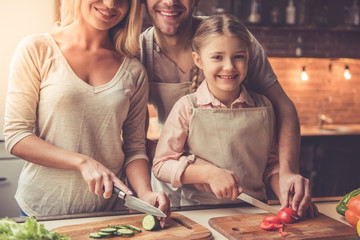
(313, 47)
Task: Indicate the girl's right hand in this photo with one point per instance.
(98, 178)
(224, 183)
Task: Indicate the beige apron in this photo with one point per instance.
(234, 139)
(164, 95)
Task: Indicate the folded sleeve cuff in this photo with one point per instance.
(184, 161)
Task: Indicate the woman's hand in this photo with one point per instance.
(161, 201)
(98, 178)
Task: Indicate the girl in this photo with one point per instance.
(76, 108)
(222, 123)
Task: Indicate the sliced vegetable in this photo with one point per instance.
(95, 235)
(136, 229)
(358, 228)
(288, 215)
(150, 222)
(125, 232)
(271, 223)
(341, 207)
(352, 214)
(108, 230)
(105, 234)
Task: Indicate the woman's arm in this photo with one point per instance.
(34, 149)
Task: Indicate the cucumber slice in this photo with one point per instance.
(108, 230)
(95, 235)
(150, 222)
(105, 234)
(125, 232)
(132, 227)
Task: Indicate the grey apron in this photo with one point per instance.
(234, 139)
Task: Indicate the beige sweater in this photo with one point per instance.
(46, 98)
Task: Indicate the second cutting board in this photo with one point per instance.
(247, 227)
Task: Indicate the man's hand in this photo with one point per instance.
(295, 192)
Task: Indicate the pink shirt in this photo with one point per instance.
(168, 163)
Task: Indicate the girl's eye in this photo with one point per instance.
(240, 56)
(217, 57)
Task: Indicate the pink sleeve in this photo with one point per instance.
(272, 166)
(168, 163)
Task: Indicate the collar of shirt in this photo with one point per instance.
(206, 98)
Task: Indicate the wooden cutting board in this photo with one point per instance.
(179, 227)
(247, 227)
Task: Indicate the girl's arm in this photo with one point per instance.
(168, 163)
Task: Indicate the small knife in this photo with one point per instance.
(137, 204)
(257, 203)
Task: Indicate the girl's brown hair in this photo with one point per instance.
(215, 26)
(125, 34)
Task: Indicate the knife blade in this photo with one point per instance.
(137, 204)
(257, 203)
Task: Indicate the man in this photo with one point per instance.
(167, 55)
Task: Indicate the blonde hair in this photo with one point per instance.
(125, 34)
(215, 26)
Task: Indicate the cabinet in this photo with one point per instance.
(323, 28)
(332, 164)
(10, 168)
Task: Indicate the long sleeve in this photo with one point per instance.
(169, 164)
(272, 165)
(134, 125)
(23, 92)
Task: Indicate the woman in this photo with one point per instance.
(76, 109)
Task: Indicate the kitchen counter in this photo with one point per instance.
(202, 216)
(331, 130)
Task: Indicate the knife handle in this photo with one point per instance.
(118, 192)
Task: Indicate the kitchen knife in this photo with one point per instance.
(137, 204)
(257, 203)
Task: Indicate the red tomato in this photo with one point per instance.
(291, 212)
(266, 226)
(285, 217)
(288, 215)
(272, 219)
(271, 223)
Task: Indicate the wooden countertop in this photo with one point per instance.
(331, 130)
(202, 216)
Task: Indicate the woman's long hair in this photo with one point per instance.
(125, 34)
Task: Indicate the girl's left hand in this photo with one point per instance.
(161, 201)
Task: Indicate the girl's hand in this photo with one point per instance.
(203, 187)
(98, 178)
(224, 183)
(161, 201)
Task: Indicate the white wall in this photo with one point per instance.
(19, 18)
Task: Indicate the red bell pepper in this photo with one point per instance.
(352, 215)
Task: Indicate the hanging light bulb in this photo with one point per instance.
(304, 75)
(347, 73)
